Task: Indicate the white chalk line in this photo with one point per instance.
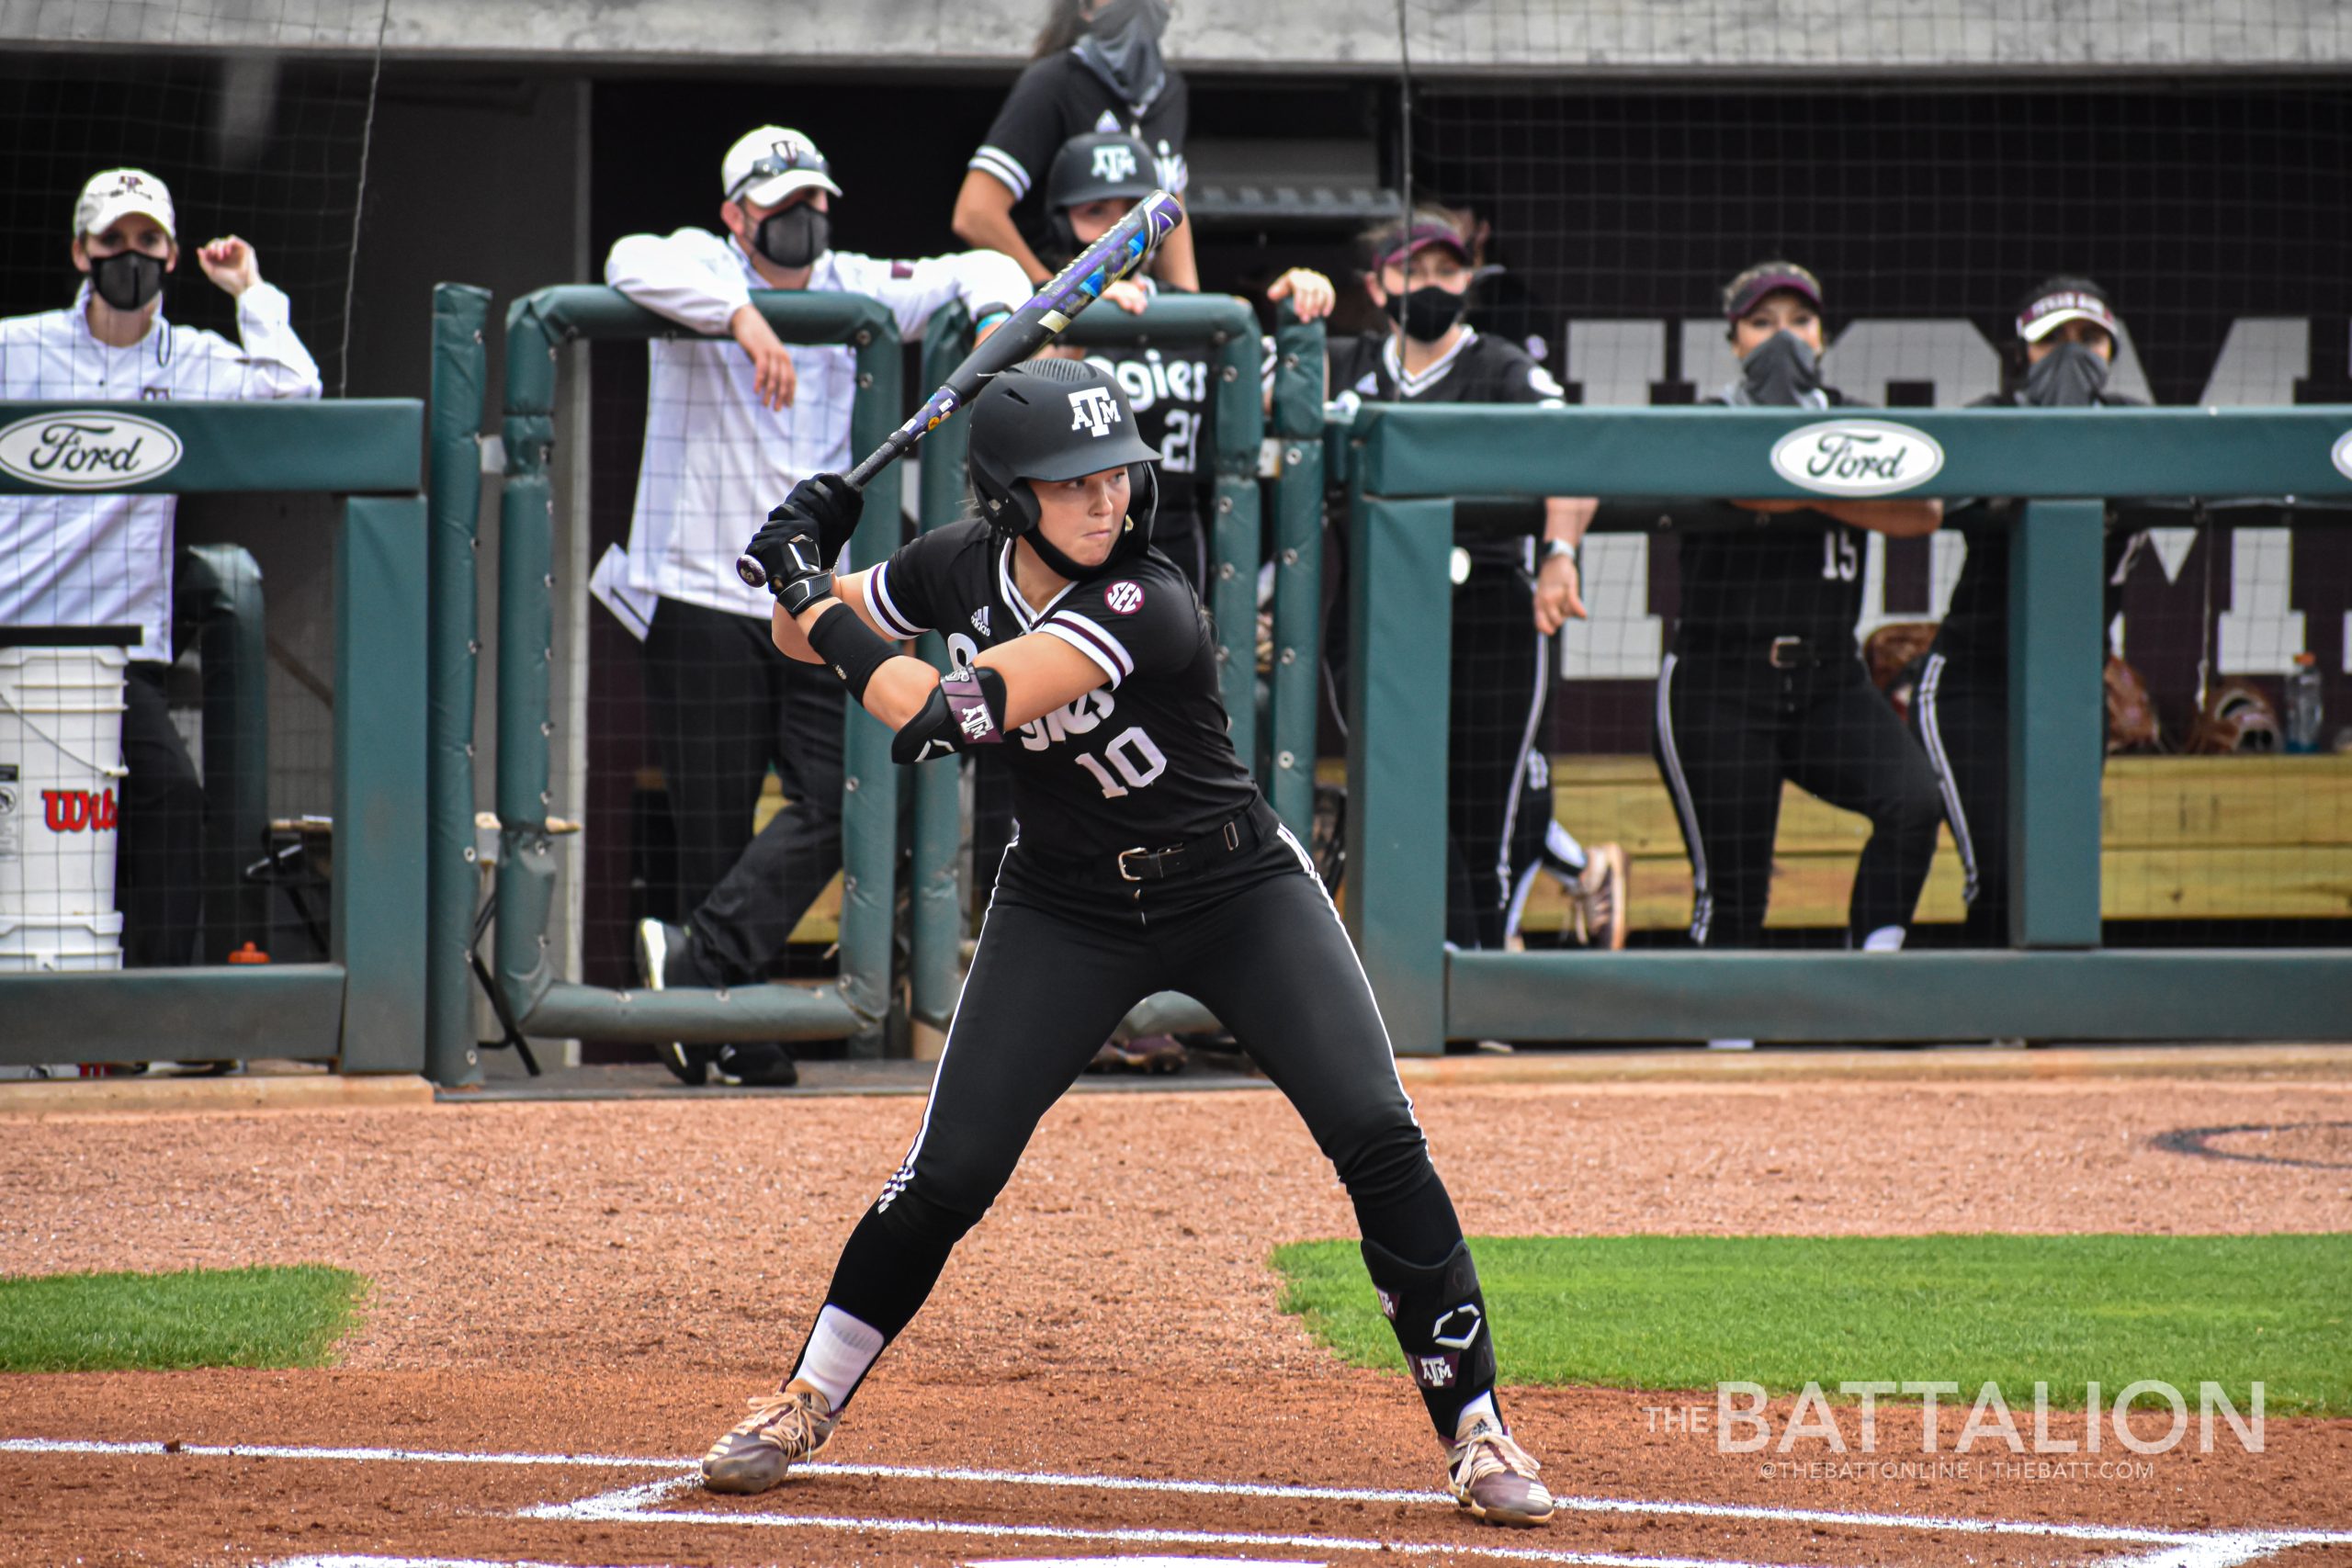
(634, 1505)
(2234, 1540)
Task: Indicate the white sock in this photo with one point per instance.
(1564, 845)
(838, 1354)
(1887, 939)
(1482, 1405)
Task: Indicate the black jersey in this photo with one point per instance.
(1478, 369)
(1142, 761)
(1977, 619)
(1172, 391)
(1773, 574)
(1061, 96)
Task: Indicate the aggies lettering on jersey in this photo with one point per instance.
(1478, 369)
(1143, 759)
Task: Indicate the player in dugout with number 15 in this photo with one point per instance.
(1147, 859)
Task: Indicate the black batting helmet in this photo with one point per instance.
(1099, 167)
(1059, 419)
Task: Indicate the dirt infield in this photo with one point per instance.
(610, 1280)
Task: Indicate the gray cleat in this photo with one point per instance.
(1494, 1477)
(784, 1428)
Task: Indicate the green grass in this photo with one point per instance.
(198, 1317)
(1676, 1312)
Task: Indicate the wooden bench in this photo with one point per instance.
(2184, 837)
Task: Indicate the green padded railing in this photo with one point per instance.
(858, 1005)
(1409, 462)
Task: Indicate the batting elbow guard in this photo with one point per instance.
(1439, 1317)
(966, 709)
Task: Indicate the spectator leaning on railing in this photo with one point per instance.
(729, 428)
(91, 560)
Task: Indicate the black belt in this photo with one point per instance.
(1780, 652)
(1234, 836)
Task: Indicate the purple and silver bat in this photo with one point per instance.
(1119, 254)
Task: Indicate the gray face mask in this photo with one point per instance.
(2070, 376)
(795, 237)
(1122, 45)
(1781, 371)
(128, 279)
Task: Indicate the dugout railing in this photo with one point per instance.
(2054, 981)
(363, 1008)
(539, 326)
(1280, 731)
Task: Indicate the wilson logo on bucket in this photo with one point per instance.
(78, 810)
(1857, 456)
(89, 450)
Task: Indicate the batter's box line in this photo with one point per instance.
(2178, 1549)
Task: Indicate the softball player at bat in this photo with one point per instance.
(1764, 683)
(2065, 342)
(1146, 861)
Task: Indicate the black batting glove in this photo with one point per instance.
(832, 509)
(788, 551)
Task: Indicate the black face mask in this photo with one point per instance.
(795, 237)
(1779, 371)
(2070, 376)
(1431, 311)
(128, 279)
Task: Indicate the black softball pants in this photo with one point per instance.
(1260, 944)
(159, 850)
(725, 706)
(1960, 712)
(1497, 806)
(1731, 727)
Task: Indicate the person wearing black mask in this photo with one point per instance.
(2065, 344)
(1765, 685)
(729, 427)
(1515, 582)
(106, 559)
(1098, 68)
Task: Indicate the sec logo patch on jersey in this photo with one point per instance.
(1123, 598)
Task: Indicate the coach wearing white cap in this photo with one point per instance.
(730, 427)
(89, 560)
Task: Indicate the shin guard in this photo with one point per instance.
(1439, 1318)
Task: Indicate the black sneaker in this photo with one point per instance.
(656, 942)
(764, 1065)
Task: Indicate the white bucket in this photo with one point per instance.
(61, 783)
(60, 942)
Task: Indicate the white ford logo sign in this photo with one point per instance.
(1857, 456)
(2342, 456)
(89, 450)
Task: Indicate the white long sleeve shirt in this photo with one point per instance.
(101, 559)
(717, 458)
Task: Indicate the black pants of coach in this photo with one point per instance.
(1062, 956)
(1732, 724)
(1960, 712)
(159, 848)
(1495, 806)
(725, 706)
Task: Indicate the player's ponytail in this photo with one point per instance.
(1063, 27)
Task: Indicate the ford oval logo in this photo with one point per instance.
(1857, 456)
(89, 450)
(2342, 456)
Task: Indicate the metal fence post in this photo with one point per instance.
(1298, 570)
(938, 894)
(380, 782)
(869, 779)
(1399, 611)
(2057, 700)
(460, 369)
